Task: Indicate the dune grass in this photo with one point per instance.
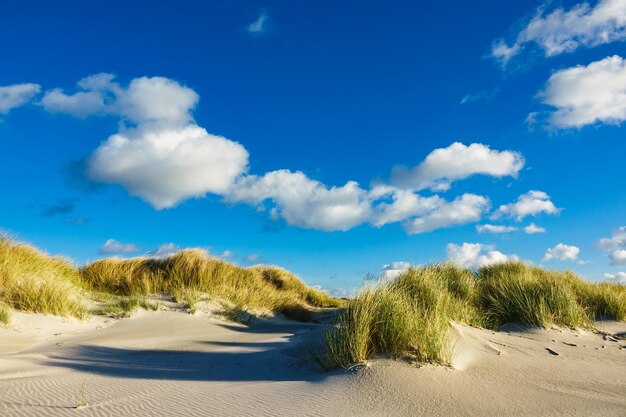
(33, 281)
(188, 274)
(409, 316)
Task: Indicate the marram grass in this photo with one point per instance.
(31, 280)
(409, 316)
(190, 273)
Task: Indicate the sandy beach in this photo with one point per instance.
(170, 363)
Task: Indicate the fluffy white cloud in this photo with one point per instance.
(456, 162)
(584, 95)
(392, 270)
(530, 204)
(533, 228)
(259, 26)
(562, 252)
(17, 95)
(401, 205)
(465, 209)
(163, 157)
(560, 31)
(304, 202)
(166, 166)
(494, 228)
(619, 277)
(616, 241)
(618, 257)
(113, 247)
(476, 255)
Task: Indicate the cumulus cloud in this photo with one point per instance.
(259, 26)
(615, 246)
(165, 249)
(476, 255)
(166, 166)
(619, 278)
(17, 95)
(392, 270)
(456, 162)
(494, 228)
(560, 31)
(618, 257)
(584, 95)
(616, 241)
(467, 208)
(113, 247)
(161, 155)
(530, 204)
(304, 202)
(562, 252)
(533, 228)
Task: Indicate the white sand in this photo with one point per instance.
(170, 363)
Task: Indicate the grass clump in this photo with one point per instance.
(5, 314)
(409, 316)
(518, 292)
(33, 281)
(194, 272)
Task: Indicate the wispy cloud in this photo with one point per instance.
(558, 31)
(260, 25)
(113, 247)
(17, 95)
(481, 95)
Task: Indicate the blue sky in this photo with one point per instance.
(276, 131)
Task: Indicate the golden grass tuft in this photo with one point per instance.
(33, 281)
(195, 272)
(410, 315)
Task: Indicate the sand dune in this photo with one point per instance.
(170, 363)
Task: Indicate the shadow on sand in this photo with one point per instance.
(285, 358)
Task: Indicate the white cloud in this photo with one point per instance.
(253, 257)
(494, 228)
(402, 205)
(165, 249)
(616, 241)
(16, 95)
(618, 257)
(619, 278)
(476, 255)
(530, 204)
(533, 228)
(456, 162)
(259, 26)
(465, 209)
(227, 254)
(584, 95)
(113, 247)
(562, 252)
(166, 166)
(162, 156)
(560, 31)
(304, 202)
(392, 270)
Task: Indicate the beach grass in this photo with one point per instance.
(33, 281)
(410, 315)
(187, 274)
